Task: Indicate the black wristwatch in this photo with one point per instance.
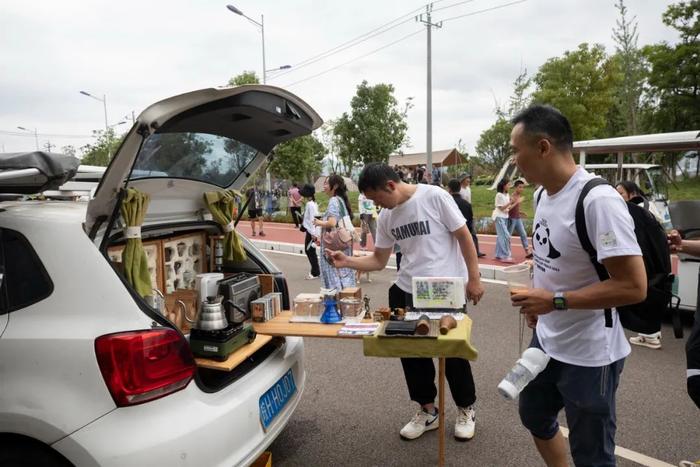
(559, 301)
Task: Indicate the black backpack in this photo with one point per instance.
(643, 317)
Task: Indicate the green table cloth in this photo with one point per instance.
(456, 343)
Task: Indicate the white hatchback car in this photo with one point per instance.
(92, 375)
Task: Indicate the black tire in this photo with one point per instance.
(20, 451)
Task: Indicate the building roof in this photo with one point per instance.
(679, 141)
(441, 158)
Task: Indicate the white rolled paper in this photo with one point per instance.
(133, 232)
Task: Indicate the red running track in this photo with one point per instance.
(279, 232)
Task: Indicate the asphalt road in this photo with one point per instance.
(354, 406)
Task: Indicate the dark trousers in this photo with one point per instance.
(472, 230)
(420, 372)
(296, 215)
(311, 254)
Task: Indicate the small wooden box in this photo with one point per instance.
(351, 292)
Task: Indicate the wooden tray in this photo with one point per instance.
(237, 357)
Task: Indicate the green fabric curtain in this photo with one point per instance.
(133, 210)
(221, 205)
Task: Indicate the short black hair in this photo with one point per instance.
(631, 188)
(502, 184)
(375, 175)
(545, 120)
(454, 185)
(518, 183)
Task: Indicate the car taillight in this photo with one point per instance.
(139, 366)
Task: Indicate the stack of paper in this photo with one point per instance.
(358, 329)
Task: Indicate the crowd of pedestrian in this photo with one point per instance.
(570, 306)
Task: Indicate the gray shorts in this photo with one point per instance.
(587, 395)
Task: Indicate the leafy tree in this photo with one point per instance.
(374, 129)
(69, 150)
(247, 77)
(674, 79)
(581, 85)
(298, 159)
(631, 65)
(493, 147)
(330, 142)
(102, 150)
(520, 97)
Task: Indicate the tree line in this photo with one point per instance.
(634, 90)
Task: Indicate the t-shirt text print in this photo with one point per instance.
(411, 230)
(422, 226)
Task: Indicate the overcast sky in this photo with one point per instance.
(137, 53)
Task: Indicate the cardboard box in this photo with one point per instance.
(351, 292)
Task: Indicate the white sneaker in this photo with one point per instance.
(689, 463)
(309, 277)
(466, 420)
(421, 422)
(652, 341)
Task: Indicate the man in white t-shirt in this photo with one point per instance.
(566, 305)
(435, 242)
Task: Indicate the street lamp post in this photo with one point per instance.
(104, 103)
(36, 136)
(261, 24)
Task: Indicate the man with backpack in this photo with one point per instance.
(567, 306)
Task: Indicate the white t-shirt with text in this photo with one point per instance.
(422, 226)
(579, 337)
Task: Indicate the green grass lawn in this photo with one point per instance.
(483, 198)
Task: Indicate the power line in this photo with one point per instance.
(354, 59)
(453, 5)
(485, 10)
(45, 135)
(355, 41)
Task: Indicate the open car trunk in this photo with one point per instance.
(199, 141)
(181, 147)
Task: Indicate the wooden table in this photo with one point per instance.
(281, 326)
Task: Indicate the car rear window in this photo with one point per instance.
(25, 281)
(213, 159)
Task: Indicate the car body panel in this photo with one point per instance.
(49, 347)
(191, 427)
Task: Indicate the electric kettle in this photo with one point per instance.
(212, 316)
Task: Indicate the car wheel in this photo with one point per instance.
(20, 451)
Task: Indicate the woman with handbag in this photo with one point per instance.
(337, 234)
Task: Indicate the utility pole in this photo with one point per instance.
(48, 146)
(429, 118)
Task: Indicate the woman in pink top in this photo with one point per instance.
(294, 198)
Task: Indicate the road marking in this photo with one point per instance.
(630, 455)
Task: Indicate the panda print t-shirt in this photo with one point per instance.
(579, 337)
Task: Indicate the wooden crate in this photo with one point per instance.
(154, 254)
(184, 257)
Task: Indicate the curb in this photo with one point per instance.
(488, 271)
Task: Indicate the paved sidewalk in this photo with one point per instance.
(287, 238)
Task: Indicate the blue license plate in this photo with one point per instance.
(273, 401)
